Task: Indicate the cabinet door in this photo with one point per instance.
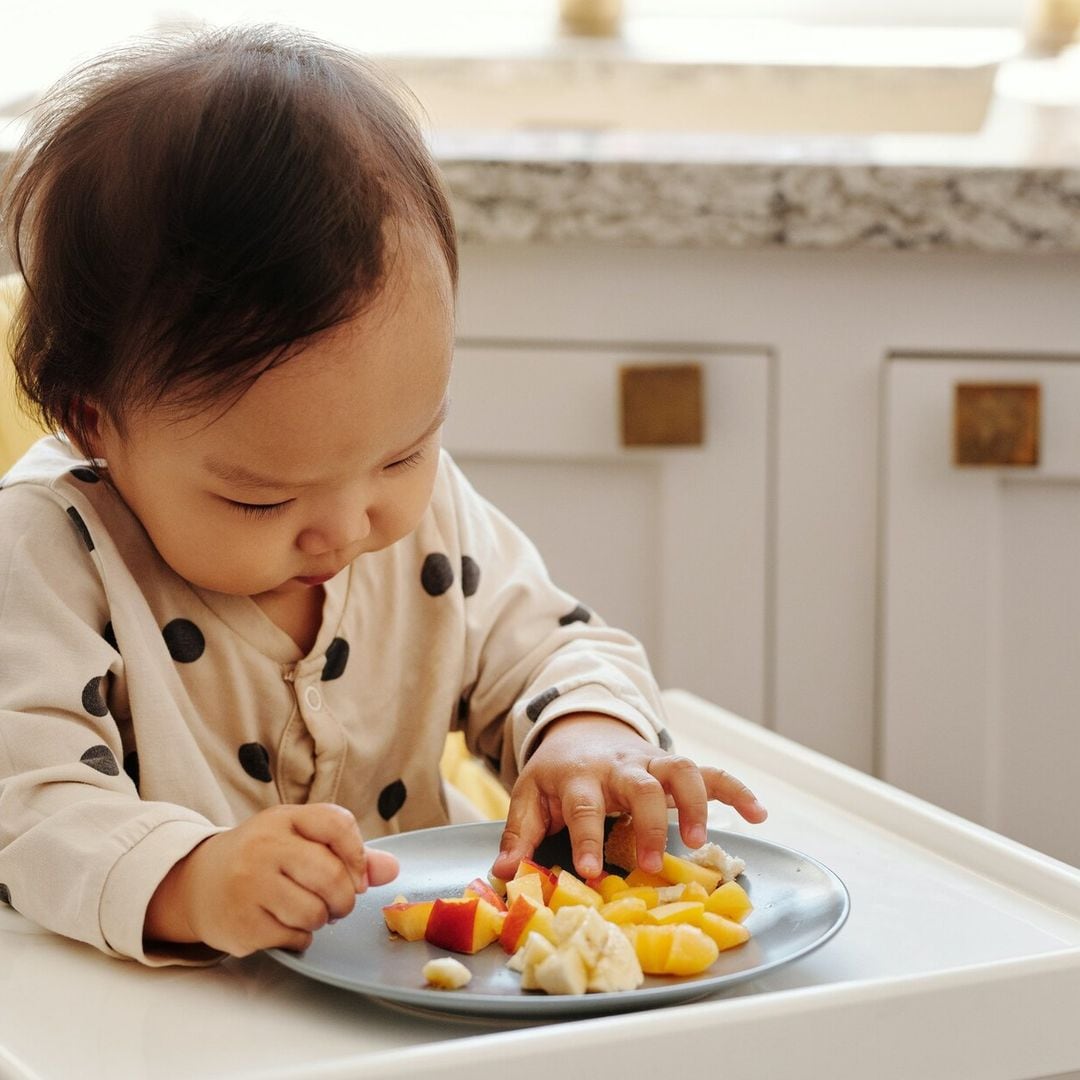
(668, 543)
(980, 652)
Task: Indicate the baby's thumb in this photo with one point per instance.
(381, 866)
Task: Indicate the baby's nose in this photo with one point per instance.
(339, 532)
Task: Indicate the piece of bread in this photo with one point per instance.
(620, 848)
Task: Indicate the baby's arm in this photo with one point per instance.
(268, 883)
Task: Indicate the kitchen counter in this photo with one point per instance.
(961, 958)
(1013, 187)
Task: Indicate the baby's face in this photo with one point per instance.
(328, 456)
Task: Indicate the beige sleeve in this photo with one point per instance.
(534, 653)
(80, 853)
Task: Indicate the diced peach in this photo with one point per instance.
(681, 911)
(463, 924)
(694, 890)
(731, 901)
(652, 945)
(408, 919)
(528, 885)
(725, 932)
(519, 913)
(571, 890)
(547, 879)
(676, 870)
(643, 877)
(480, 888)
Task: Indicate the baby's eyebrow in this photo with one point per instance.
(242, 477)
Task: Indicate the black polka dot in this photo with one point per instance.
(184, 640)
(80, 525)
(470, 575)
(337, 656)
(109, 634)
(93, 699)
(131, 766)
(100, 757)
(87, 476)
(392, 799)
(665, 739)
(437, 575)
(541, 702)
(5, 895)
(579, 614)
(255, 761)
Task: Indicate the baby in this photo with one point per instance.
(244, 595)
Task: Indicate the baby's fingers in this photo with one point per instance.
(729, 789)
(684, 783)
(334, 826)
(584, 809)
(526, 825)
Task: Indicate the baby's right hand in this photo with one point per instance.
(268, 883)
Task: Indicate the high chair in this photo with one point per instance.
(472, 793)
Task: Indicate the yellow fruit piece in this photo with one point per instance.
(652, 945)
(676, 871)
(571, 890)
(630, 909)
(610, 885)
(681, 911)
(725, 932)
(543, 923)
(694, 890)
(731, 901)
(529, 885)
(692, 950)
(643, 877)
(642, 892)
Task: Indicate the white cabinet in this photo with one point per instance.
(980, 644)
(666, 542)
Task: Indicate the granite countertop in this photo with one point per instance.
(1012, 187)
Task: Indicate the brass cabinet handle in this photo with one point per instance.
(996, 424)
(662, 405)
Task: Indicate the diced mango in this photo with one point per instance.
(630, 909)
(731, 901)
(609, 886)
(692, 951)
(643, 877)
(694, 890)
(652, 945)
(725, 932)
(676, 870)
(681, 911)
(644, 892)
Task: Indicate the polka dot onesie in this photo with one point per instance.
(140, 714)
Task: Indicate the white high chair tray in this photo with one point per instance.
(960, 959)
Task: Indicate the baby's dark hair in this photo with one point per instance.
(185, 211)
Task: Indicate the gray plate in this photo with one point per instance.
(798, 905)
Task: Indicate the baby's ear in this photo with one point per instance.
(83, 429)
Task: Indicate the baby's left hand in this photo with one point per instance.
(588, 765)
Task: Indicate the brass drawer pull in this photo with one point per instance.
(662, 405)
(996, 424)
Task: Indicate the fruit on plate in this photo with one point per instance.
(463, 924)
(409, 920)
(570, 891)
(589, 954)
(631, 909)
(681, 911)
(727, 933)
(548, 880)
(682, 871)
(446, 973)
(672, 949)
(527, 885)
(523, 917)
(729, 900)
(480, 888)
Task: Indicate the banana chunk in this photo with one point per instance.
(446, 973)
